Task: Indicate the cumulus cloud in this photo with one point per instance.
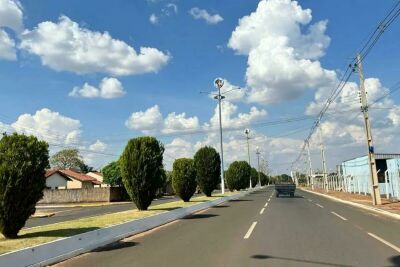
(203, 14)
(11, 15)
(108, 88)
(65, 46)
(7, 47)
(153, 19)
(49, 126)
(283, 49)
(98, 146)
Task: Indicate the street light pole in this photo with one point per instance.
(247, 132)
(219, 83)
(258, 165)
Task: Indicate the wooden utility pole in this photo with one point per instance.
(376, 196)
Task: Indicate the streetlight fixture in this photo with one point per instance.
(218, 83)
(247, 132)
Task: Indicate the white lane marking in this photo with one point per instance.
(385, 242)
(266, 204)
(310, 200)
(269, 199)
(319, 205)
(262, 211)
(341, 217)
(248, 234)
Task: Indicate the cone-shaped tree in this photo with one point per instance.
(254, 177)
(263, 178)
(142, 169)
(208, 169)
(184, 178)
(238, 175)
(23, 163)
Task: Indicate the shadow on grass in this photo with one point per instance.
(240, 200)
(200, 216)
(115, 246)
(298, 261)
(59, 232)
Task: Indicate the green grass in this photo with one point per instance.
(43, 234)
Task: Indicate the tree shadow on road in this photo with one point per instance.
(200, 216)
(240, 200)
(299, 261)
(395, 260)
(59, 232)
(115, 246)
(221, 206)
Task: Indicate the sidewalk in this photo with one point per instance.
(365, 200)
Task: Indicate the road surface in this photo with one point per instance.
(261, 230)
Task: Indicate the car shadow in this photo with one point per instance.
(116, 245)
(285, 196)
(395, 260)
(298, 261)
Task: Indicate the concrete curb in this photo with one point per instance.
(65, 248)
(376, 210)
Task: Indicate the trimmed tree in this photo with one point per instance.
(184, 178)
(238, 175)
(263, 178)
(142, 169)
(208, 169)
(23, 163)
(112, 174)
(254, 177)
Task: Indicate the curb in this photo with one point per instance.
(45, 215)
(69, 247)
(376, 210)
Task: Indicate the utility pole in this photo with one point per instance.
(323, 160)
(218, 84)
(247, 132)
(258, 163)
(376, 197)
(310, 166)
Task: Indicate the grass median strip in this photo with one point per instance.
(43, 234)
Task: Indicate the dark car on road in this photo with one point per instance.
(285, 189)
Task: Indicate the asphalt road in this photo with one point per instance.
(307, 230)
(74, 213)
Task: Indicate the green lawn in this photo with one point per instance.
(42, 234)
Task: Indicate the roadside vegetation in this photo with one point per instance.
(238, 175)
(208, 169)
(184, 178)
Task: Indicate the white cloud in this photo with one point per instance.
(98, 146)
(170, 9)
(65, 46)
(108, 88)
(179, 123)
(198, 13)
(49, 126)
(148, 120)
(11, 15)
(282, 51)
(153, 19)
(7, 47)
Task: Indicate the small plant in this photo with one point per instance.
(23, 163)
(208, 169)
(184, 178)
(238, 175)
(142, 169)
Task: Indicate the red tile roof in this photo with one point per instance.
(79, 176)
(50, 172)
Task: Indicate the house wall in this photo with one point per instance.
(74, 184)
(96, 176)
(56, 181)
(106, 194)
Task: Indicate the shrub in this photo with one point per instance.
(184, 178)
(238, 175)
(23, 163)
(142, 169)
(263, 178)
(254, 177)
(208, 169)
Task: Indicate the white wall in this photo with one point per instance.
(56, 181)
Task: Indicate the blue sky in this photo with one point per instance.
(198, 51)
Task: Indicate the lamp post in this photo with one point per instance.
(247, 132)
(258, 163)
(218, 83)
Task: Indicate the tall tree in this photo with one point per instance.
(67, 159)
(112, 174)
(208, 169)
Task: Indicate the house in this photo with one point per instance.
(55, 179)
(69, 179)
(356, 174)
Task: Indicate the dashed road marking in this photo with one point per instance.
(341, 217)
(319, 205)
(248, 234)
(262, 211)
(266, 204)
(385, 242)
(310, 200)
